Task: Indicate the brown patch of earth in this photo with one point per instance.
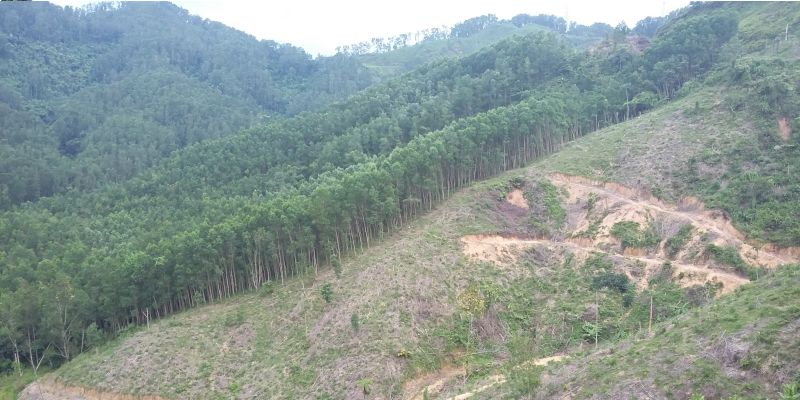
(784, 130)
(51, 389)
(517, 198)
(432, 383)
(616, 203)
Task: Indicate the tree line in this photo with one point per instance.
(280, 199)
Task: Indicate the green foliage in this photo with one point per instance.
(365, 384)
(590, 331)
(118, 89)
(267, 289)
(790, 391)
(524, 380)
(598, 262)
(326, 291)
(143, 203)
(337, 266)
(730, 256)
(676, 243)
(611, 280)
(630, 235)
(11, 384)
(354, 322)
(591, 200)
(234, 319)
(544, 200)
(472, 300)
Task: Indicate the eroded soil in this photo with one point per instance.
(594, 207)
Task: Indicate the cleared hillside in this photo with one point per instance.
(395, 281)
(416, 304)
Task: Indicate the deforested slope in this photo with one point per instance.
(353, 249)
(416, 309)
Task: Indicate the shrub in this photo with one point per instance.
(730, 257)
(525, 380)
(327, 292)
(337, 265)
(611, 280)
(630, 236)
(267, 289)
(472, 300)
(675, 244)
(591, 200)
(354, 322)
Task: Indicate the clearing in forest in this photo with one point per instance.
(595, 209)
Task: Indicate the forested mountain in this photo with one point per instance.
(303, 190)
(94, 95)
(391, 56)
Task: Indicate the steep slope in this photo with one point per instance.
(550, 297)
(416, 302)
(95, 95)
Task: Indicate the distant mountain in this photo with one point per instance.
(391, 56)
(94, 95)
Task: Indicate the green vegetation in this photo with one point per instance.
(545, 201)
(748, 332)
(12, 383)
(676, 243)
(327, 292)
(226, 216)
(611, 280)
(155, 245)
(730, 257)
(631, 235)
(96, 95)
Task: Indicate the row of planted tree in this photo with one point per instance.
(344, 211)
(78, 266)
(336, 214)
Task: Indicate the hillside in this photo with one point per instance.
(390, 246)
(401, 308)
(472, 35)
(96, 95)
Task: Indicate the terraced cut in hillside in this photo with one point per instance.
(594, 208)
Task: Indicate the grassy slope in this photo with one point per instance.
(403, 290)
(744, 345)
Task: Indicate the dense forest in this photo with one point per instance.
(128, 197)
(94, 95)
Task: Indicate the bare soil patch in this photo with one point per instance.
(50, 389)
(784, 130)
(588, 230)
(517, 198)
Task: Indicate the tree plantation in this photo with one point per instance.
(152, 161)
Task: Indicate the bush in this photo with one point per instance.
(630, 236)
(730, 257)
(675, 244)
(354, 322)
(337, 266)
(327, 292)
(524, 380)
(267, 289)
(611, 280)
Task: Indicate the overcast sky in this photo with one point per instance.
(320, 26)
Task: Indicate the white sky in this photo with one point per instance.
(319, 26)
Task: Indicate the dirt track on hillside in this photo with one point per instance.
(49, 389)
(613, 203)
